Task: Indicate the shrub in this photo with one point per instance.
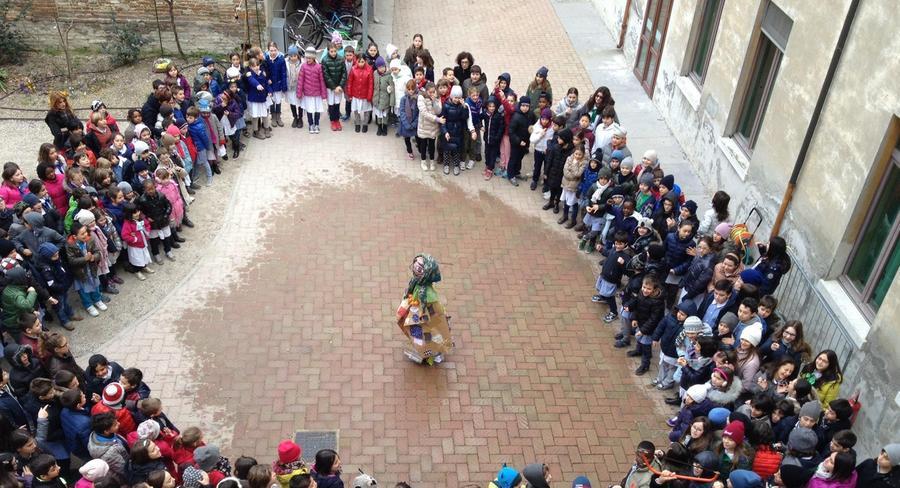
(125, 45)
(12, 43)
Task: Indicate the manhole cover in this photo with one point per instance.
(312, 441)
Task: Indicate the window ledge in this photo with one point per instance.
(735, 155)
(689, 91)
(843, 306)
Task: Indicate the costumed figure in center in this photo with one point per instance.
(421, 316)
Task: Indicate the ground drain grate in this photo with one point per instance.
(312, 441)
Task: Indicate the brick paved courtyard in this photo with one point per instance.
(287, 322)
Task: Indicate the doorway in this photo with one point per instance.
(653, 38)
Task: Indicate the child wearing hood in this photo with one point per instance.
(400, 74)
(276, 68)
(494, 128)
(506, 478)
(519, 140)
(292, 66)
(541, 132)
(537, 475)
(507, 99)
(383, 98)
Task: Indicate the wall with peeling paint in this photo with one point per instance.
(842, 165)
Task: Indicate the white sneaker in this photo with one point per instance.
(546, 195)
(424, 166)
(140, 276)
(431, 165)
(158, 260)
(92, 311)
(148, 269)
(101, 305)
(170, 256)
(470, 164)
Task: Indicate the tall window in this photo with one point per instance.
(876, 255)
(776, 28)
(709, 25)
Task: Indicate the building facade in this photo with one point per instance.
(738, 83)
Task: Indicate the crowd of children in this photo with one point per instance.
(755, 406)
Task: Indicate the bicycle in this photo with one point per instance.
(309, 27)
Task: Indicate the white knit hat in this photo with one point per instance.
(94, 469)
(456, 91)
(697, 393)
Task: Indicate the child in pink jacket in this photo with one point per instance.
(311, 90)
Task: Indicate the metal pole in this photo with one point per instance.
(365, 26)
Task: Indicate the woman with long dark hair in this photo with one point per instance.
(715, 215)
(773, 264)
(594, 106)
(60, 117)
(824, 375)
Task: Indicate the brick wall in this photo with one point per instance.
(203, 25)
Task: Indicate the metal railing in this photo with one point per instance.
(798, 299)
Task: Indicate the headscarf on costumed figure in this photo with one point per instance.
(421, 316)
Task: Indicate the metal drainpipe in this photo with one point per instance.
(814, 121)
(624, 24)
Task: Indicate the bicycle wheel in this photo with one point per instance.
(350, 28)
(300, 27)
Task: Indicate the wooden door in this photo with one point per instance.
(653, 38)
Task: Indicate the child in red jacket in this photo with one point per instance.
(135, 236)
(360, 88)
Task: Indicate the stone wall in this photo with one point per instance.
(215, 26)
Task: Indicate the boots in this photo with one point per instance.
(257, 128)
(556, 207)
(295, 123)
(357, 128)
(299, 119)
(547, 206)
(574, 217)
(278, 121)
(365, 127)
(582, 244)
(267, 124)
(565, 215)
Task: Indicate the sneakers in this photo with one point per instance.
(170, 256)
(609, 317)
(533, 185)
(101, 305)
(513, 182)
(596, 299)
(446, 169)
(621, 343)
(633, 353)
(672, 422)
(317, 128)
(312, 129)
(662, 387)
(158, 260)
(488, 174)
(148, 269)
(92, 311)
(111, 289)
(424, 166)
(431, 166)
(642, 370)
(456, 171)
(546, 195)
(410, 156)
(140, 276)
(470, 164)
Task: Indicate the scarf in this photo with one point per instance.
(408, 109)
(425, 273)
